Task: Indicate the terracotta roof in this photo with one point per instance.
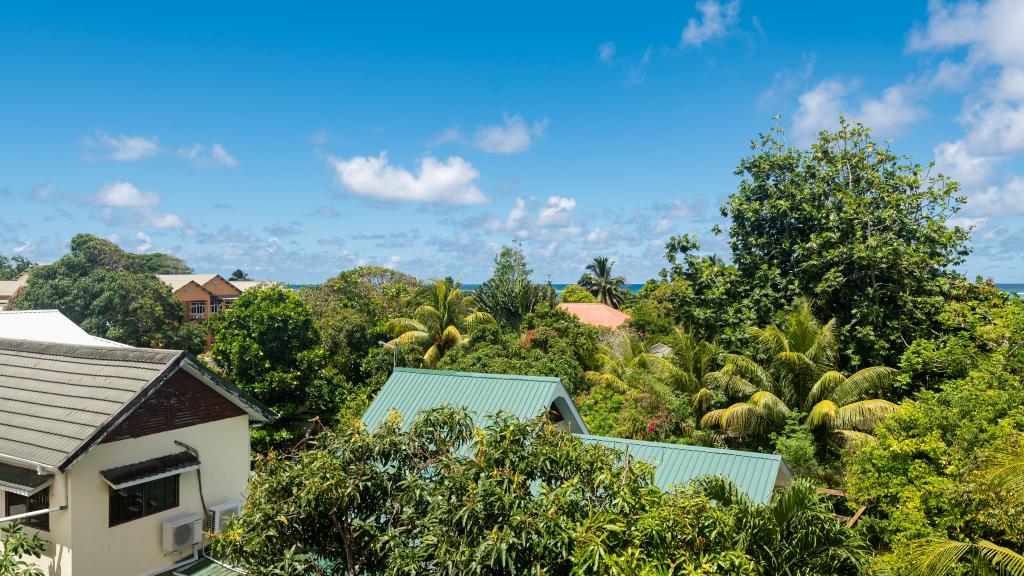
(600, 315)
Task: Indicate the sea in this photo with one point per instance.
(1014, 288)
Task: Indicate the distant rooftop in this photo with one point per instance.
(600, 315)
(48, 326)
(176, 281)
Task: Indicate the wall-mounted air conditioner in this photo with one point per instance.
(182, 531)
(218, 515)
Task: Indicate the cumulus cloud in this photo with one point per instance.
(145, 242)
(122, 148)
(215, 155)
(124, 204)
(557, 211)
(452, 181)
(818, 108)
(716, 18)
(513, 136)
(785, 82)
(895, 109)
(126, 195)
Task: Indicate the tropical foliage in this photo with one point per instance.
(799, 376)
(576, 294)
(443, 496)
(11, 268)
(602, 284)
(15, 546)
(509, 295)
(440, 321)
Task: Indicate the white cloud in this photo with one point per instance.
(513, 136)
(997, 201)
(145, 242)
(597, 236)
(637, 73)
(221, 156)
(956, 160)
(715, 20)
(785, 82)
(606, 52)
(898, 107)
(123, 148)
(126, 195)
(217, 155)
(516, 215)
(663, 225)
(557, 211)
(452, 181)
(819, 108)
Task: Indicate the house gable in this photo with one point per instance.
(181, 401)
(192, 291)
(221, 288)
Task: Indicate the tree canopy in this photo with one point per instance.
(112, 294)
(11, 268)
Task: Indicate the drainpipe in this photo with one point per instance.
(63, 494)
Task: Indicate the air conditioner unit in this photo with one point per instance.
(182, 531)
(218, 515)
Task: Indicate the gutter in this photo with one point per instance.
(23, 463)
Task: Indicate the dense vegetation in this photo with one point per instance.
(838, 335)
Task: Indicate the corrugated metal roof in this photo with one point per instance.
(48, 326)
(411, 390)
(678, 464)
(56, 400)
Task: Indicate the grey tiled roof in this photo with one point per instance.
(133, 473)
(55, 397)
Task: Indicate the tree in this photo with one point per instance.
(268, 345)
(800, 377)
(158, 263)
(443, 496)
(440, 322)
(239, 274)
(795, 533)
(111, 293)
(863, 232)
(15, 545)
(575, 294)
(11, 268)
(509, 295)
(598, 280)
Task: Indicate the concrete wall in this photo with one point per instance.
(189, 293)
(56, 560)
(135, 548)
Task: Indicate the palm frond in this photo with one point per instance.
(722, 490)
(823, 415)
(713, 419)
(772, 409)
(851, 437)
(1004, 560)
(823, 351)
(450, 337)
(750, 370)
(432, 355)
(411, 338)
(702, 400)
(428, 314)
(770, 340)
(399, 326)
(936, 556)
(742, 419)
(478, 318)
(823, 388)
(1006, 471)
(863, 415)
(865, 382)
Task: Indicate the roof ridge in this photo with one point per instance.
(742, 453)
(130, 354)
(488, 375)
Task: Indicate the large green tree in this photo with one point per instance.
(112, 294)
(861, 230)
(600, 281)
(509, 294)
(268, 344)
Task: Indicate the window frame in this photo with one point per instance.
(35, 503)
(197, 305)
(118, 503)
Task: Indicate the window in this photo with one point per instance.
(141, 500)
(215, 306)
(198, 309)
(18, 504)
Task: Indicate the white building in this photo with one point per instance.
(119, 456)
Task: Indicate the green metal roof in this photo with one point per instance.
(204, 567)
(678, 464)
(410, 390)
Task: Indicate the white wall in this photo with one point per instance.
(56, 560)
(135, 548)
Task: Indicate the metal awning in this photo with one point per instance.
(22, 481)
(140, 472)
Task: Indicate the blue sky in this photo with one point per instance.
(295, 141)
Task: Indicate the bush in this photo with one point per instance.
(574, 294)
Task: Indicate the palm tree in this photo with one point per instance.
(598, 280)
(941, 556)
(800, 377)
(795, 533)
(694, 357)
(626, 360)
(440, 322)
